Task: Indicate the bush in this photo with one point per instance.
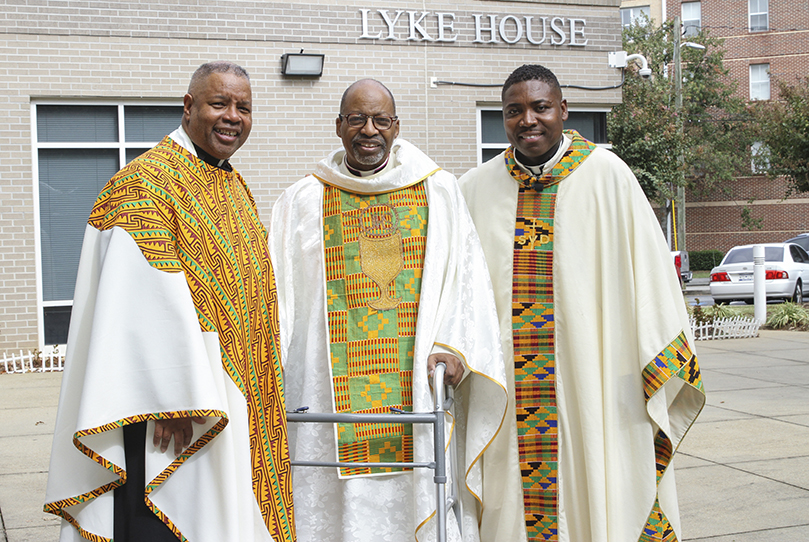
(788, 315)
(709, 313)
(718, 312)
(704, 260)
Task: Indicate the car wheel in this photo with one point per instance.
(797, 297)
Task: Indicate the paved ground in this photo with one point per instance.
(743, 470)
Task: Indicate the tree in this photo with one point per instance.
(782, 126)
(645, 129)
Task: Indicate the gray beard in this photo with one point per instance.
(373, 159)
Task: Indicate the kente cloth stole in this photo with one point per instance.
(374, 254)
(533, 335)
(675, 361)
(186, 215)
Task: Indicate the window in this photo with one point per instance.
(745, 255)
(492, 140)
(759, 81)
(760, 157)
(759, 15)
(77, 148)
(633, 15)
(798, 254)
(692, 18)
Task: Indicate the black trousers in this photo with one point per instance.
(133, 521)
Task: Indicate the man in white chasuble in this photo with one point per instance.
(380, 274)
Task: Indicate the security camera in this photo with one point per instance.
(645, 73)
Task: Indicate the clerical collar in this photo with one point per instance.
(543, 160)
(359, 173)
(208, 159)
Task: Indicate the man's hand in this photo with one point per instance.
(455, 368)
(179, 428)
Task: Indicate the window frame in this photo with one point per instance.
(751, 82)
(480, 146)
(688, 29)
(633, 17)
(751, 14)
(121, 145)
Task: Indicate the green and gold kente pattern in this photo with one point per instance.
(374, 253)
(533, 335)
(675, 361)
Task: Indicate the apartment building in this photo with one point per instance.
(765, 41)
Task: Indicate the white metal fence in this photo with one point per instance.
(737, 327)
(33, 362)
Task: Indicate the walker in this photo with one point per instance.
(443, 402)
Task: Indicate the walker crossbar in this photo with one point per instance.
(436, 418)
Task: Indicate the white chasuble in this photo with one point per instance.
(626, 381)
(455, 309)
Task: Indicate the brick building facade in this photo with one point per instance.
(115, 57)
(765, 41)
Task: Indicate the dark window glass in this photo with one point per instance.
(131, 154)
(57, 322)
(745, 255)
(802, 241)
(591, 125)
(69, 183)
(149, 122)
(77, 123)
(492, 130)
(488, 154)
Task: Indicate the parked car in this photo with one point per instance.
(786, 268)
(680, 258)
(802, 240)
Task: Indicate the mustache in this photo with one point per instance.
(373, 139)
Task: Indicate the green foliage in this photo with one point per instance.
(748, 222)
(716, 312)
(704, 260)
(788, 315)
(645, 129)
(703, 314)
(783, 128)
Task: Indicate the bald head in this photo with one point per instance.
(365, 104)
(363, 86)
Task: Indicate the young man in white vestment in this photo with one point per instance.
(380, 274)
(602, 378)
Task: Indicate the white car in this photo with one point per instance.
(786, 267)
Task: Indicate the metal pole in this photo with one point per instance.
(679, 223)
(440, 477)
(759, 284)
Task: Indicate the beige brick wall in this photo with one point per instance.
(130, 50)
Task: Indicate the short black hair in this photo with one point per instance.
(219, 66)
(531, 72)
(355, 83)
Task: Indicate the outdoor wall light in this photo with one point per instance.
(302, 64)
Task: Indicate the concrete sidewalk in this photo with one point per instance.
(742, 471)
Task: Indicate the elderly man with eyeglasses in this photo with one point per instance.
(380, 275)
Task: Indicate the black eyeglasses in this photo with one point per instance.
(358, 120)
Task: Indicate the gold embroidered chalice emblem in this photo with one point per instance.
(381, 252)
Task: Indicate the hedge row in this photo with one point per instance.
(704, 260)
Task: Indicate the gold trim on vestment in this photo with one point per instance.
(372, 193)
